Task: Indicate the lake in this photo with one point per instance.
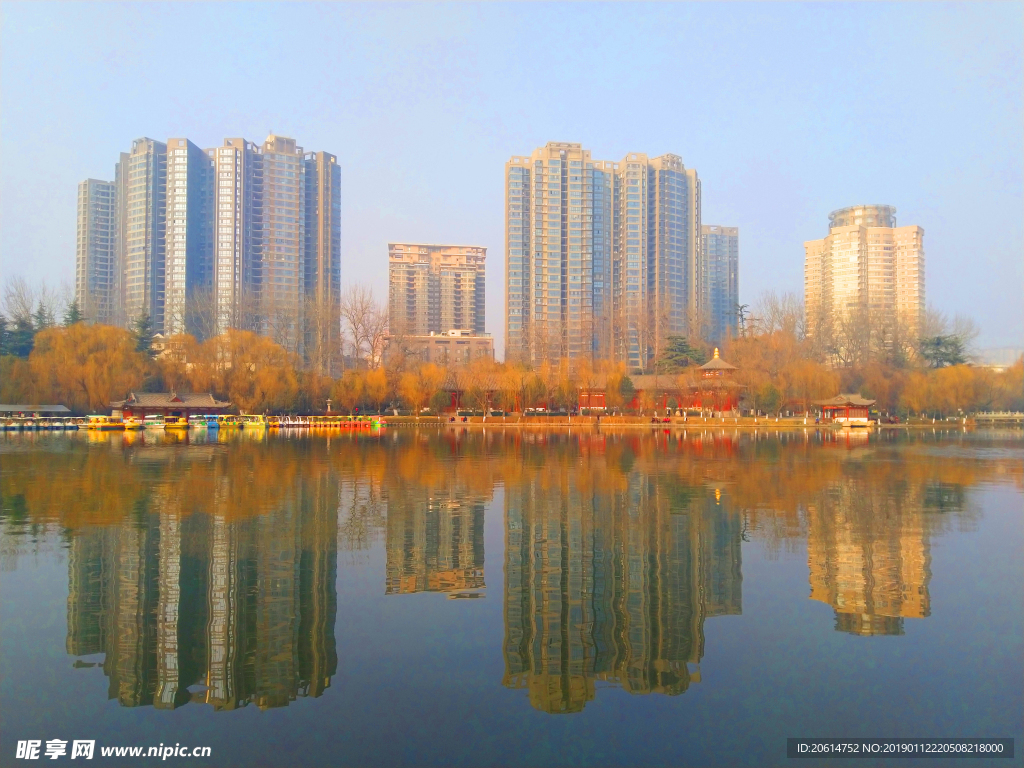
(509, 597)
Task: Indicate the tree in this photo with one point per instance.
(86, 366)
(258, 375)
(626, 390)
(942, 351)
(679, 354)
(348, 390)
(365, 323)
(142, 330)
(376, 386)
(20, 338)
(43, 317)
(72, 314)
(770, 398)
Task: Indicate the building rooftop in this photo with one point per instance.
(170, 400)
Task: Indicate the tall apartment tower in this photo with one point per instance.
(720, 247)
(143, 177)
(96, 251)
(435, 288)
(284, 232)
(322, 259)
(188, 271)
(602, 258)
(866, 264)
(238, 200)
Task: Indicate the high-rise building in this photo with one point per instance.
(323, 261)
(188, 270)
(239, 234)
(435, 288)
(143, 174)
(602, 258)
(866, 266)
(284, 233)
(203, 241)
(95, 252)
(720, 248)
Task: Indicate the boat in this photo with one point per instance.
(153, 422)
(133, 423)
(175, 422)
(253, 420)
(99, 423)
(229, 422)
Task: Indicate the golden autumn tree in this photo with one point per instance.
(259, 375)
(348, 390)
(86, 366)
(417, 387)
(375, 386)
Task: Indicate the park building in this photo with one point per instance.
(866, 267)
(453, 348)
(602, 257)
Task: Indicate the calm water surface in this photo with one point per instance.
(509, 598)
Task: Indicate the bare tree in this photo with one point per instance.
(365, 324)
(200, 314)
(780, 313)
(19, 299)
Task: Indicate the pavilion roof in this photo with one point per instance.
(717, 364)
(170, 400)
(847, 401)
(15, 408)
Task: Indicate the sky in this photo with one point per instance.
(787, 112)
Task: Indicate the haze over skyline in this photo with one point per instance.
(786, 111)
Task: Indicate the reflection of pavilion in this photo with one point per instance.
(869, 558)
(613, 587)
(243, 609)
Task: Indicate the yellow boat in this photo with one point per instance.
(175, 422)
(229, 422)
(133, 423)
(105, 423)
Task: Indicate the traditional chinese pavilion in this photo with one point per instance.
(846, 409)
(168, 404)
(711, 388)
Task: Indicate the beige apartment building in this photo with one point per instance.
(284, 240)
(96, 251)
(238, 236)
(238, 200)
(602, 258)
(452, 348)
(865, 264)
(435, 288)
(143, 176)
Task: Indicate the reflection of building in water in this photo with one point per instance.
(434, 544)
(869, 556)
(244, 610)
(612, 586)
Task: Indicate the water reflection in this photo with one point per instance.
(242, 611)
(611, 578)
(205, 571)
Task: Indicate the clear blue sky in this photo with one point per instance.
(787, 111)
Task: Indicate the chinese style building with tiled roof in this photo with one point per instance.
(144, 404)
